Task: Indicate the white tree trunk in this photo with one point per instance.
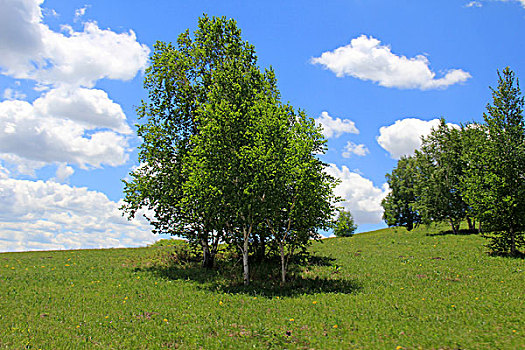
(283, 264)
(246, 268)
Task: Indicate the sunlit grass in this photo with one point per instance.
(388, 289)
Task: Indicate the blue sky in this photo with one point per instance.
(375, 74)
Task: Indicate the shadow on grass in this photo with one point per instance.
(462, 232)
(495, 249)
(517, 255)
(265, 280)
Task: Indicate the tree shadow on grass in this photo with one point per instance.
(493, 248)
(462, 232)
(265, 280)
(508, 255)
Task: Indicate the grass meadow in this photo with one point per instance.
(387, 289)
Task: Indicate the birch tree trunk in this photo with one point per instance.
(283, 263)
(245, 248)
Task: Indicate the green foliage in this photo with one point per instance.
(298, 194)
(178, 82)
(494, 185)
(223, 158)
(472, 172)
(398, 205)
(440, 166)
(377, 290)
(345, 225)
(168, 243)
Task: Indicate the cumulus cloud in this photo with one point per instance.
(22, 165)
(355, 149)
(366, 58)
(71, 122)
(90, 107)
(335, 127)
(29, 132)
(361, 197)
(29, 49)
(20, 34)
(404, 136)
(37, 215)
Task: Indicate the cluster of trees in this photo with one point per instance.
(223, 160)
(475, 172)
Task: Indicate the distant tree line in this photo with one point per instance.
(223, 160)
(473, 173)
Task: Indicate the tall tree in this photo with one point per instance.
(224, 166)
(257, 158)
(494, 182)
(218, 144)
(440, 166)
(398, 205)
(178, 82)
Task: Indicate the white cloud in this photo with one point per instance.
(81, 11)
(20, 35)
(50, 13)
(10, 94)
(27, 132)
(91, 107)
(22, 165)
(355, 149)
(404, 136)
(335, 127)
(37, 215)
(474, 4)
(29, 49)
(4, 173)
(522, 2)
(68, 123)
(366, 59)
(360, 195)
(63, 172)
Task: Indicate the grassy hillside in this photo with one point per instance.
(387, 289)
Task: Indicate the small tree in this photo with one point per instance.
(298, 194)
(344, 225)
(398, 205)
(494, 184)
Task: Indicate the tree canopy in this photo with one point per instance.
(398, 205)
(344, 225)
(439, 170)
(223, 159)
(473, 171)
(494, 182)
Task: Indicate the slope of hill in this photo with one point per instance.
(388, 289)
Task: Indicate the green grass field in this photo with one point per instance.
(388, 289)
